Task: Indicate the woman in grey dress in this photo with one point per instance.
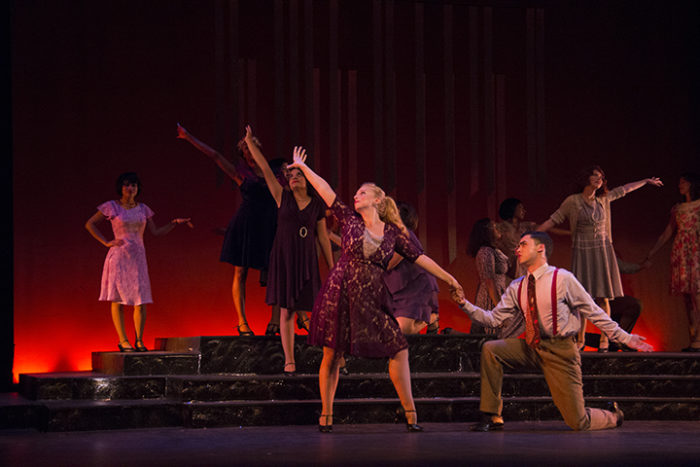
(592, 257)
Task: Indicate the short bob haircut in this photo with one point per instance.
(127, 177)
(582, 180)
(541, 238)
(507, 209)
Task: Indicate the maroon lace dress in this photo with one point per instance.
(352, 313)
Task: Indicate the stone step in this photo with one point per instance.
(146, 363)
(87, 385)
(124, 414)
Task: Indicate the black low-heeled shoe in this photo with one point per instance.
(139, 347)
(303, 324)
(272, 330)
(125, 349)
(327, 428)
(412, 427)
(247, 333)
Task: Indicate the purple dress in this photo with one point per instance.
(352, 311)
(248, 238)
(125, 274)
(413, 290)
(293, 277)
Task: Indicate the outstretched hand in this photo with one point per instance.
(637, 342)
(182, 220)
(298, 158)
(182, 133)
(656, 181)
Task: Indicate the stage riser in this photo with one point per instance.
(208, 415)
(305, 387)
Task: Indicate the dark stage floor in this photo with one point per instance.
(522, 443)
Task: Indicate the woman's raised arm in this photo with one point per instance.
(320, 185)
(272, 184)
(223, 163)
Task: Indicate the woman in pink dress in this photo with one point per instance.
(125, 278)
(352, 313)
(685, 253)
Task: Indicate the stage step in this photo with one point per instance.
(209, 381)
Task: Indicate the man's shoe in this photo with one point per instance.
(488, 422)
(614, 408)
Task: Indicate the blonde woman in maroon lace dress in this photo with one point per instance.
(352, 313)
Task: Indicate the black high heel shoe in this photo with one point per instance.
(303, 324)
(247, 333)
(328, 427)
(272, 330)
(290, 373)
(125, 349)
(412, 427)
(139, 347)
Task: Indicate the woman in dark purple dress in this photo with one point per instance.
(414, 292)
(352, 312)
(248, 238)
(294, 279)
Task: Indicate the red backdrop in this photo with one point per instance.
(450, 106)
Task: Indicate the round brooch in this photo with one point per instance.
(303, 231)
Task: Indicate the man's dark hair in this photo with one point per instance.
(541, 238)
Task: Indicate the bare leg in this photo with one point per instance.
(274, 316)
(328, 383)
(692, 306)
(604, 303)
(410, 325)
(400, 375)
(118, 320)
(240, 274)
(287, 337)
(139, 321)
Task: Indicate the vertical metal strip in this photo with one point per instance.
(316, 152)
(378, 86)
(219, 84)
(488, 173)
(449, 135)
(389, 155)
(333, 95)
(280, 75)
(234, 69)
(309, 74)
(540, 99)
(419, 31)
(352, 153)
(474, 126)
(530, 100)
(294, 110)
(501, 186)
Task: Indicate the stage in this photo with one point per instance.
(522, 443)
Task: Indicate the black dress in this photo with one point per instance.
(248, 238)
(293, 276)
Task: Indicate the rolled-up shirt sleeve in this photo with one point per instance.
(507, 307)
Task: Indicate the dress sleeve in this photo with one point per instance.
(321, 209)
(616, 193)
(341, 212)
(405, 246)
(564, 211)
(108, 209)
(148, 212)
(486, 264)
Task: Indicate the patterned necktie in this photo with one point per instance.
(532, 324)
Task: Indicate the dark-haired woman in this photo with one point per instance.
(491, 267)
(685, 253)
(512, 226)
(593, 259)
(248, 238)
(125, 278)
(294, 278)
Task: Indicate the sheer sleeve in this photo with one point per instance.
(341, 212)
(405, 246)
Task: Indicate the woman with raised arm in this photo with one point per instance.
(352, 314)
(593, 259)
(248, 238)
(294, 278)
(684, 227)
(125, 278)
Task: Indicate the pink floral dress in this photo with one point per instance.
(685, 253)
(125, 274)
